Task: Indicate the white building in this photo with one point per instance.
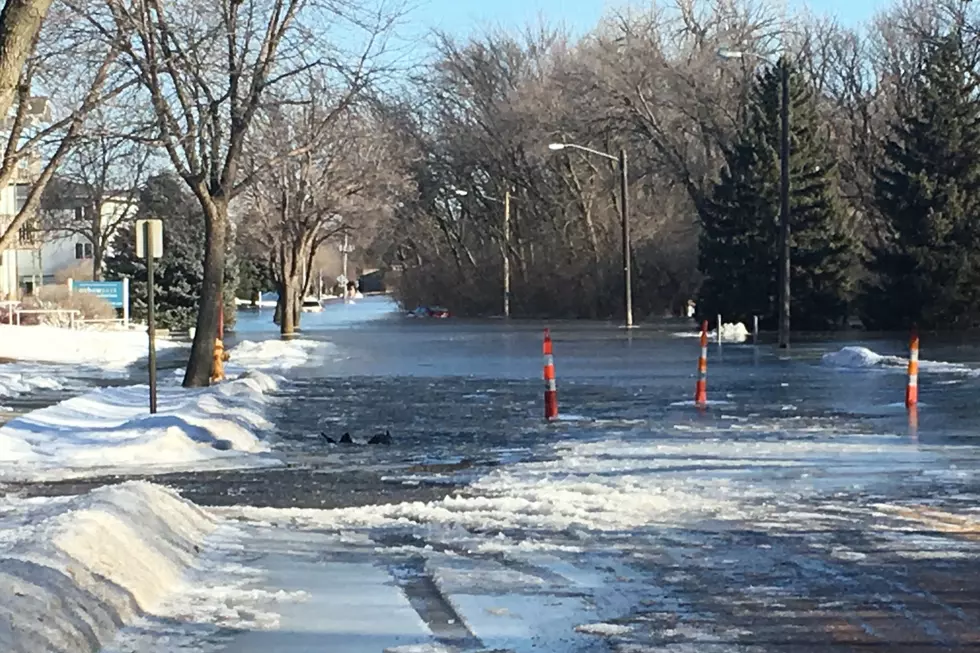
(21, 253)
(39, 256)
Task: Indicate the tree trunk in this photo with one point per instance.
(287, 325)
(97, 256)
(216, 228)
(20, 23)
(97, 249)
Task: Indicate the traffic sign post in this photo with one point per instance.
(149, 243)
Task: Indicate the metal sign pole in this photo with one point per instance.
(150, 315)
(125, 302)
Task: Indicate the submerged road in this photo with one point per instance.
(802, 511)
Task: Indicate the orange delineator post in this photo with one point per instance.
(912, 389)
(701, 389)
(550, 389)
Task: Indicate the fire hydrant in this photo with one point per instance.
(218, 362)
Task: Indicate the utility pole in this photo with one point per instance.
(506, 253)
(627, 282)
(784, 231)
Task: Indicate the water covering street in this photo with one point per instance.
(802, 511)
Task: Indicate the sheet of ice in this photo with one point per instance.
(73, 569)
(111, 430)
(621, 485)
(525, 624)
(111, 349)
(258, 589)
(604, 630)
(856, 357)
(17, 379)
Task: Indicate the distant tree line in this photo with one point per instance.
(885, 209)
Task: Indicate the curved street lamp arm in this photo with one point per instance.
(586, 149)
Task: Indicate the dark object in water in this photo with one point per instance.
(328, 438)
(381, 438)
(346, 439)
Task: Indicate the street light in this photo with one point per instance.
(506, 253)
(624, 206)
(784, 233)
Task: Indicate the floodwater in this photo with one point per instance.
(858, 504)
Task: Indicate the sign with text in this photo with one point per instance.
(113, 292)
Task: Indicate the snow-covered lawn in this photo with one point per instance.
(109, 349)
(111, 430)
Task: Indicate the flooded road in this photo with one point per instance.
(802, 511)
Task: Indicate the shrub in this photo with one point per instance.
(90, 307)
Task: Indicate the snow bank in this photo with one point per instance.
(111, 430)
(72, 571)
(46, 344)
(272, 354)
(863, 358)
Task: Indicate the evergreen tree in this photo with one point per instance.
(739, 251)
(178, 274)
(928, 191)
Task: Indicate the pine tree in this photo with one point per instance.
(928, 191)
(739, 243)
(178, 274)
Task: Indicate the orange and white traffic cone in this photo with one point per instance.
(701, 388)
(550, 389)
(912, 388)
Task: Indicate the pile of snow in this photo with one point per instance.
(46, 344)
(18, 379)
(271, 354)
(72, 571)
(854, 357)
(111, 430)
(730, 332)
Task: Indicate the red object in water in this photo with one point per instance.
(701, 388)
(550, 388)
(912, 388)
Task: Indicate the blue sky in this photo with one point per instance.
(462, 17)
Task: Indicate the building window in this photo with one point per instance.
(83, 250)
(23, 190)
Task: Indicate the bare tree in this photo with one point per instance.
(96, 191)
(339, 171)
(20, 25)
(206, 67)
(36, 142)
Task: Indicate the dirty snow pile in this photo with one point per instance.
(74, 569)
(271, 355)
(111, 430)
(855, 357)
(112, 349)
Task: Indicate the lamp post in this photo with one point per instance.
(784, 229)
(506, 246)
(624, 209)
